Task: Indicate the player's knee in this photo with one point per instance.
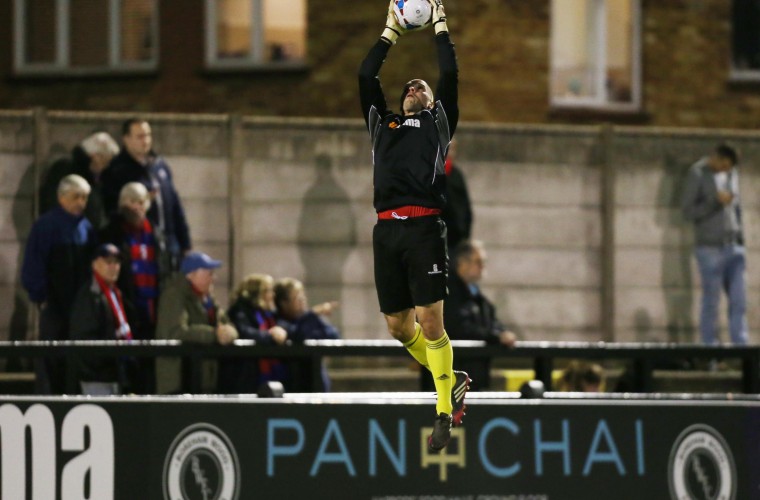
(397, 332)
(432, 329)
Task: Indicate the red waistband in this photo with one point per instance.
(408, 211)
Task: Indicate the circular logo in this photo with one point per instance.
(201, 465)
(701, 466)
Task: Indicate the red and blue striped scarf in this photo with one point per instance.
(269, 368)
(144, 267)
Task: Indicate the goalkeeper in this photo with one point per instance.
(409, 240)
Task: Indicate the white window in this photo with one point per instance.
(595, 54)
(251, 33)
(84, 36)
(745, 23)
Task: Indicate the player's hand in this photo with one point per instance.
(439, 16)
(393, 29)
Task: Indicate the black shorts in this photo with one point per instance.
(411, 262)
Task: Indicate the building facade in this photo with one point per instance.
(684, 63)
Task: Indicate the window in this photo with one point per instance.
(746, 39)
(84, 36)
(595, 54)
(249, 33)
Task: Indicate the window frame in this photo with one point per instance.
(599, 103)
(61, 64)
(256, 61)
(740, 75)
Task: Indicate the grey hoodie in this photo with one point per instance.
(714, 223)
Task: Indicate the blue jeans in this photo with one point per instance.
(722, 268)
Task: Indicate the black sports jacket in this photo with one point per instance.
(409, 152)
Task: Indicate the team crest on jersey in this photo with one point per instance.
(394, 123)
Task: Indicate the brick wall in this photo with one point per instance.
(503, 49)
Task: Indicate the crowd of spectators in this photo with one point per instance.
(111, 258)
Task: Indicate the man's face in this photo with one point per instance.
(471, 268)
(136, 207)
(73, 202)
(417, 96)
(296, 305)
(202, 280)
(139, 140)
(107, 268)
(720, 164)
(99, 162)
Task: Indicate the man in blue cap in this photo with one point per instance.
(187, 311)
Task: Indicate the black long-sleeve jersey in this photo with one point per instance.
(409, 152)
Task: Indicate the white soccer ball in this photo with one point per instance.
(413, 14)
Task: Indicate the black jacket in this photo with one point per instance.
(79, 164)
(458, 211)
(469, 316)
(156, 177)
(409, 152)
(92, 319)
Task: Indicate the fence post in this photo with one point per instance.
(236, 152)
(41, 146)
(607, 202)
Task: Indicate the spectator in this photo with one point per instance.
(468, 314)
(582, 376)
(711, 201)
(302, 323)
(57, 262)
(88, 160)
(457, 214)
(145, 268)
(187, 311)
(252, 313)
(99, 312)
(137, 162)
(145, 265)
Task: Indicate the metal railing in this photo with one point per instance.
(644, 357)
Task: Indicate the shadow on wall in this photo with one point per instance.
(676, 253)
(326, 235)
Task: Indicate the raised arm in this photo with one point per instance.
(370, 90)
(448, 80)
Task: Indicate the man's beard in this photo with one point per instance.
(413, 106)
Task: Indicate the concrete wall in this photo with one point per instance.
(581, 224)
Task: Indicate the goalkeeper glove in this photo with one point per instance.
(393, 29)
(439, 16)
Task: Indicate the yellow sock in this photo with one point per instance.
(440, 356)
(416, 347)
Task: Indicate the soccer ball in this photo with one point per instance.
(413, 14)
